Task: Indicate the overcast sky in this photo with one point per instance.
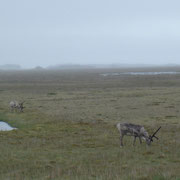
(48, 32)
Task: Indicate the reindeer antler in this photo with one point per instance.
(153, 136)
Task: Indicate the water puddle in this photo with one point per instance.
(139, 73)
(5, 126)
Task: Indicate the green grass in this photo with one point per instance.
(67, 130)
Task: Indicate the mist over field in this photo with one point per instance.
(16, 67)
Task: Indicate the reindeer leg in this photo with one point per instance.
(121, 140)
(140, 140)
(134, 141)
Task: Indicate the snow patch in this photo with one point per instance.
(5, 126)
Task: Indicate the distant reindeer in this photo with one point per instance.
(15, 105)
(136, 131)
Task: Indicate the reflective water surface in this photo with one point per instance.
(139, 73)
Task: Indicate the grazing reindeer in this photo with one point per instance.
(136, 131)
(16, 105)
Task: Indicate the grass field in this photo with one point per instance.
(67, 130)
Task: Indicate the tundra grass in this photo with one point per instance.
(67, 130)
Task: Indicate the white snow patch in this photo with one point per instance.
(5, 126)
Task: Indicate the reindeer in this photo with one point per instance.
(16, 105)
(136, 131)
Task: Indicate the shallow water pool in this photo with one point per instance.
(139, 73)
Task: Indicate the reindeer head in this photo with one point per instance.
(148, 141)
(147, 138)
(21, 107)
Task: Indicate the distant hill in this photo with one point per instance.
(10, 67)
(39, 68)
(69, 66)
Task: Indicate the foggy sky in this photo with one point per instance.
(44, 32)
